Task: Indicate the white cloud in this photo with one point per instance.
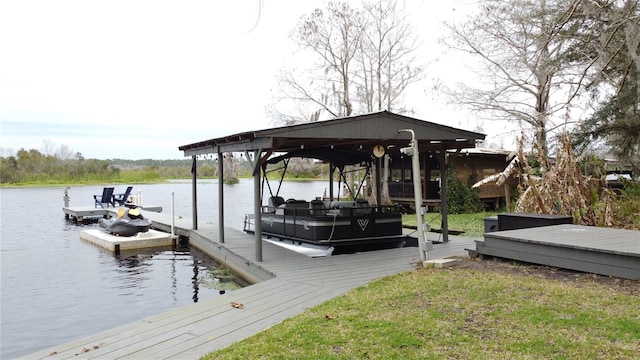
(163, 73)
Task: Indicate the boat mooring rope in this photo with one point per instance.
(335, 215)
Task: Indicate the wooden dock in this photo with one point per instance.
(287, 283)
(605, 251)
(84, 213)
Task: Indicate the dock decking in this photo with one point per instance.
(605, 251)
(82, 213)
(288, 283)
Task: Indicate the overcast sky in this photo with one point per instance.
(136, 79)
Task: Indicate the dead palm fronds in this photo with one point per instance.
(561, 189)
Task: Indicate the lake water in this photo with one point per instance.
(56, 288)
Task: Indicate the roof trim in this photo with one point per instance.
(360, 130)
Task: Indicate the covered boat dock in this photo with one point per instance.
(385, 132)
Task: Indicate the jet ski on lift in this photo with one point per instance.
(128, 222)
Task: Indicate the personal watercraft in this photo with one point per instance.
(128, 222)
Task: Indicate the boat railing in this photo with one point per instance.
(317, 207)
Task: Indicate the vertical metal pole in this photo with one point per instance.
(66, 197)
(414, 152)
(173, 216)
(257, 205)
(331, 170)
(220, 197)
(378, 182)
(194, 192)
(444, 207)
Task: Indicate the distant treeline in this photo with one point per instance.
(28, 167)
(32, 167)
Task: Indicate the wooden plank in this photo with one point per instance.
(156, 329)
(200, 325)
(580, 237)
(240, 327)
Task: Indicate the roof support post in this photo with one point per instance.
(413, 151)
(444, 207)
(220, 197)
(332, 169)
(378, 182)
(257, 204)
(194, 192)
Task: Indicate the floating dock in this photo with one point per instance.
(151, 238)
(84, 213)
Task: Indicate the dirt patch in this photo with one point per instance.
(618, 285)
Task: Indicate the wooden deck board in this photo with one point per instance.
(200, 325)
(253, 321)
(579, 237)
(300, 283)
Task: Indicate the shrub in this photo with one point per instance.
(461, 198)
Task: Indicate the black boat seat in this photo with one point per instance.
(293, 207)
(340, 208)
(341, 205)
(346, 208)
(274, 202)
(316, 208)
(363, 207)
(295, 204)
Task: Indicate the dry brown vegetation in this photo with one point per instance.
(563, 189)
(559, 187)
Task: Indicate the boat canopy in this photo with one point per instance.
(339, 157)
(360, 133)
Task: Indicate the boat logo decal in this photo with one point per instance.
(305, 225)
(269, 220)
(363, 223)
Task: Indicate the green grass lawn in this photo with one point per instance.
(471, 224)
(472, 311)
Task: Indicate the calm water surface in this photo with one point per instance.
(56, 288)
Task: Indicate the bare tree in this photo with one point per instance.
(531, 69)
(65, 153)
(231, 168)
(388, 64)
(48, 147)
(364, 61)
(616, 120)
(333, 35)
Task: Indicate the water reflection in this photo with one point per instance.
(194, 281)
(136, 268)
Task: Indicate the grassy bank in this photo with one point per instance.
(478, 310)
(123, 177)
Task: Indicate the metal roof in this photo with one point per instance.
(361, 132)
(337, 156)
